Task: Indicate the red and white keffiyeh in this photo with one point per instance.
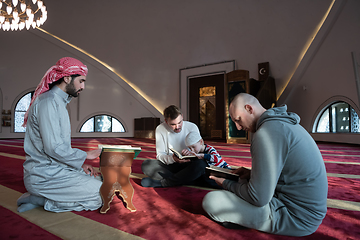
(66, 66)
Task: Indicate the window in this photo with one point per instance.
(102, 123)
(338, 117)
(99, 123)
(20, 110)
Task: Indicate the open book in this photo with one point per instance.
(221, 172)
(120, 148)
(181, 156)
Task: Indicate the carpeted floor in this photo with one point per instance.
(169, 213)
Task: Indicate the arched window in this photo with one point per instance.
(102, 123)
(20, 109)
(338, 117)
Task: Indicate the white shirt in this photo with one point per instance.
(166, 138)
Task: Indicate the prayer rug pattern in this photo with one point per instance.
(176, 213)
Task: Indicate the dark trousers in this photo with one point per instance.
(177, 174)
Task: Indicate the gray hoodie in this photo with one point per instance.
(288, 173)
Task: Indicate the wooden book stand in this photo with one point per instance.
(115, 167)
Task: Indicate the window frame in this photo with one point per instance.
(102, 114)
(15, 111)
(329, 107)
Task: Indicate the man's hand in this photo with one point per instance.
(93, 154)
(178, 160)
(218, 180)
(88, 169)
(186, 152)
(244, 173)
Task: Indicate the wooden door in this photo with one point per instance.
(207, 105)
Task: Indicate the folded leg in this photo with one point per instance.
(27, 202)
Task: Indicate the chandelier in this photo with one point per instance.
(20, 14)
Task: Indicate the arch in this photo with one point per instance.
(326, 106)
(113, 124)
(17, 115)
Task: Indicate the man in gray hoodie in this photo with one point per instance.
(285, 192)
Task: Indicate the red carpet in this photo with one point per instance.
(15, 227)
(176, 213)
(344, 189)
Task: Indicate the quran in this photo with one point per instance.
(176, 153)
(120, 148)
(221, 172)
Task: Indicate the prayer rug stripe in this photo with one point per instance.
(346, 189)
(343, 175)
(345, 205)
(354, 163)
(12, 156)
(241, 164)
(66, 225)
(56, 223)
(13, 226)
(162, 213)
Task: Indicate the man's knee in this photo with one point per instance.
(153, 169)
(146, 166)
(211, 201)
(211, 205)
(224, 206)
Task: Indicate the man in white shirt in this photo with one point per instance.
(168, 170)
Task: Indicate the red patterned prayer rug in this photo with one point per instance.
(176, 213)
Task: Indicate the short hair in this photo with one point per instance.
(172, 112)
(62, 79)
(243, 99)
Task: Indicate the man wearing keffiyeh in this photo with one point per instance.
(55, 174)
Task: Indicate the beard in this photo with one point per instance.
(71, 90)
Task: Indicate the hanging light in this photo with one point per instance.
(20, 14)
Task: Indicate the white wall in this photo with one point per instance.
(327, 71)
(147, 42)
(105, 92)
